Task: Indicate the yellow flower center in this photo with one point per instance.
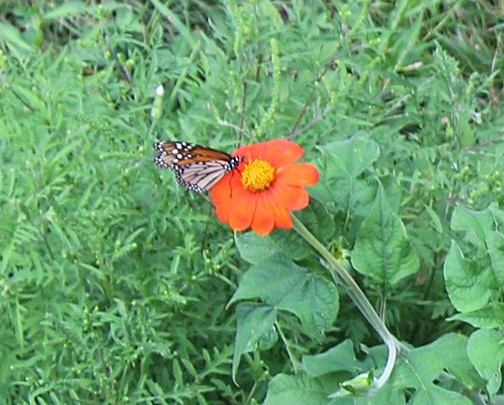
(258, 175)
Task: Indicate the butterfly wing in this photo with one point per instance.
(196, 167)
(201, 177)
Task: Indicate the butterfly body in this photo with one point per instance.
(196, 167)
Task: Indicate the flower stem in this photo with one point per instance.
(340, 274)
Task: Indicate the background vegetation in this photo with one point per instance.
(114, 281)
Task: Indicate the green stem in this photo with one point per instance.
(294, 362)
(358, 297)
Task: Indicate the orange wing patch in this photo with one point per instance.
(196, 167)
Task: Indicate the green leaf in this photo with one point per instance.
(300, 389)
(67, 9)
(475, 282)
(338, 358)
(254, 248)
(485, 350)
(436, 221)
(351, 157)
(495, 245)
(415, 376)
(316, 218)
(420, 367)
(295, 390)
(346, 160)
(254, 322)
(469, 287)
(476, 225)
(490, 316)
(284, 285)
(353, 194)
(13, 37)
(438, 395)
(382, 249)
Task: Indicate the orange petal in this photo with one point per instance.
(264, 219)
(283, 218)
(222, 190)
(298, 174)
(241, 210)
(222, 213)
(221, 195)
(250, 152)
(282, 152)
(291, 197)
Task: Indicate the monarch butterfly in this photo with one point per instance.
(196, 167)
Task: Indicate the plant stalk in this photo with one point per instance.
(358, 297)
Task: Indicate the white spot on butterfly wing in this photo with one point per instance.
(199, 176)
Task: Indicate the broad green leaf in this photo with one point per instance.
(254, 248)
(284, 285)
(416, 376)
(469, 286)
(436, 395)
(476, 224)
(482, 230)
(420, 367)
(351, 157)
(353, 195)
(338, 358)
(254, 323)
(316, 218)
(295, 390)
(382, 249)
(458, 362)
(485, 350)
(490, 316)
(300, 389)
(346, 160)
(495, 245)
(475, 282)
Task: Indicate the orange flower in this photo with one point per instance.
(265, 188)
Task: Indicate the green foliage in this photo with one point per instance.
(343, 186)
(254, 330)
(382, 250)
(283, 285)
(285, 389)
(413, 377)
(338, 358)
(485, 351)
(475, 285)
(115, 285)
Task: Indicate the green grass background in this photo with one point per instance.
(113, 280)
